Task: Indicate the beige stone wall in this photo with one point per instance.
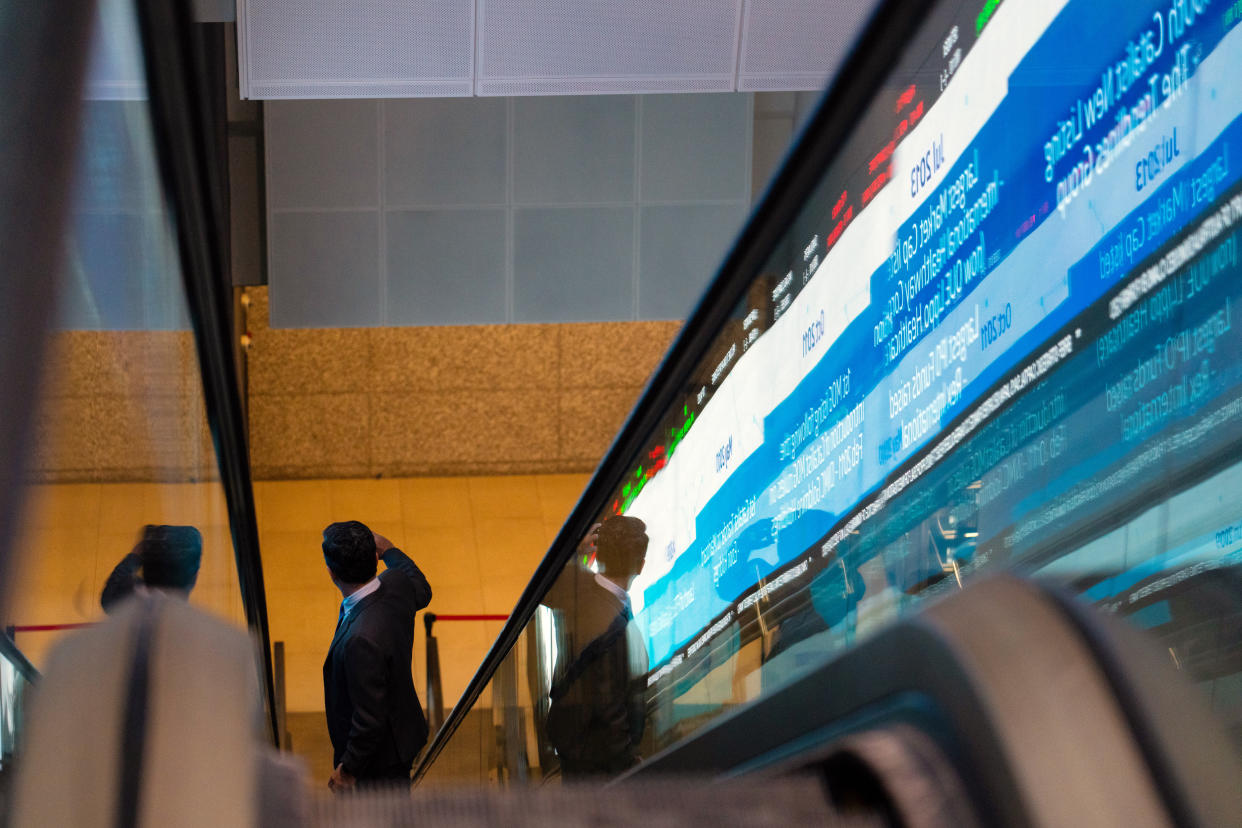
(469, 400)
(126, 406)
(121, 406)
(468, 446)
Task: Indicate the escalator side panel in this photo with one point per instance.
(1017, 700)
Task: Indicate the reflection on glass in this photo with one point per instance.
(999, 334)
(166, 558)
(15, 678)
(122, 440)
(596, 715)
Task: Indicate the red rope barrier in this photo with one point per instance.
(49, 627)
(77, 626)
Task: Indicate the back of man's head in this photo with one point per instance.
(171, 556)
(349, 551)
(621, 545)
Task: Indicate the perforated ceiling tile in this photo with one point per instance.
(694, 147)
(681, 248)
(482, 211)
(597, 46)
(449, 151)
(573, 149)
(356, 48)
(322, 154)
(573, 264)
(324, 270)
(446, 267)
(796, 44)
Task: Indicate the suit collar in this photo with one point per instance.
(617, 592)
(354, 598)
(354, 613)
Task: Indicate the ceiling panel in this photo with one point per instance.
(356, 48)
(796, 44)
(462, 48)
(574, 47)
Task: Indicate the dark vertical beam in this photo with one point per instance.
(278, 664)
(435, 695)
(184, 138)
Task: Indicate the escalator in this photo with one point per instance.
(936, 494)
(930, 515)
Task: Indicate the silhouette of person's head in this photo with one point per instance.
(621, 547)
(171, 556)
(349, 552)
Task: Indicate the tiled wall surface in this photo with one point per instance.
(469, 400)
(580, 208)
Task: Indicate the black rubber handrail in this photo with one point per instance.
(177, 88)
(855, 84)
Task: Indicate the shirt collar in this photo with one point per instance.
(621, 594)
(351, 601)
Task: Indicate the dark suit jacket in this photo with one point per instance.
(596, 717)
(374, 717)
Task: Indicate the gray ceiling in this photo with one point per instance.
(455, 48)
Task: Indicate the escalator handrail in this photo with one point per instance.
(192, 186)
(848, 95)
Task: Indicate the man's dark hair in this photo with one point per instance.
(349, 551)
(621, 545)
(171, 556)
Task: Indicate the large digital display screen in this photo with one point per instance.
(1001, 333)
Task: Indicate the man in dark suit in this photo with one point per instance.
(374, 717)
(598, 704)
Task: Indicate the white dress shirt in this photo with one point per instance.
(351, 600)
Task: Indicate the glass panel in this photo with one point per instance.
(16, 676)
(500, 740)
(122, 450)
(998, 335)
